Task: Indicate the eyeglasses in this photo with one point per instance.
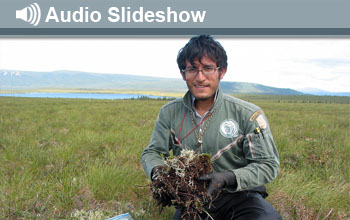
(207, 70)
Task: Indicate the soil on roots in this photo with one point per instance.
(176, 183)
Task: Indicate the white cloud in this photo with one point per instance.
(291, 63)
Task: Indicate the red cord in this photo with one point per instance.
(183, 119)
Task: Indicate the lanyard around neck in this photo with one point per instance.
(183, 119)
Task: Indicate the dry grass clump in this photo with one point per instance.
(177, 183)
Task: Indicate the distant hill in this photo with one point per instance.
(64, 79)
(83, 80)
(254, 88)
(319, 92)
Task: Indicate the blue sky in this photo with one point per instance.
(285, 63)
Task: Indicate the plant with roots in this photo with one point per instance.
(177, 183)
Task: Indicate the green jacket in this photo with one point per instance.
(237, 136)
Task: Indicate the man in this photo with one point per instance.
(236, 133)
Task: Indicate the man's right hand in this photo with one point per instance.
(154, 173)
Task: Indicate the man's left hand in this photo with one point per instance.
(219, 180)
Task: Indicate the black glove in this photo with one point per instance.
(219, 180)
(178, 213)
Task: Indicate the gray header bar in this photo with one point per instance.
(174, 17)
(175, 31)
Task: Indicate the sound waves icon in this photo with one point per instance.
(30, 14)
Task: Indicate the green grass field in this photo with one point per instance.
(80, 159)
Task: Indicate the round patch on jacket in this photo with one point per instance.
(229, 128)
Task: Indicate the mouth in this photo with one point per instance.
(201, 86)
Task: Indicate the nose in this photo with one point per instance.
(200, 75)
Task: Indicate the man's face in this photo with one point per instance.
(202, 86)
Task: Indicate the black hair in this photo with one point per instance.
(199, 47)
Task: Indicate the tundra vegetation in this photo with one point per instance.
(80, 158)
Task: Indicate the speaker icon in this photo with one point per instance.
(31, 14)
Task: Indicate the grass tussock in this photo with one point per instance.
(80, 159)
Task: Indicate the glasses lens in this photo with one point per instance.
(191, 71)
(208, 70)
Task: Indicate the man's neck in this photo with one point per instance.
(204, 105)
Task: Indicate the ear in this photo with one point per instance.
(183, 75)
(222, 73)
